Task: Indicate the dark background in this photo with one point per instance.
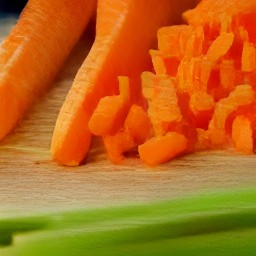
(12, 6)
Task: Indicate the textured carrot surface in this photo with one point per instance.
(34, 52)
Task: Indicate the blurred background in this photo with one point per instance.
(11, 6)
(9, 12)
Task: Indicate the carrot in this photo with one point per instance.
(136, 130)
(163, 109)
(248, 57)
(241, 96)
(212, 11)
(118, 144)
(34, 52)
(138, 124)
(242, 135)
(220, 46)
(161, 149)
(199, 93)
(202, 106)
(125, 31)
(111, 111)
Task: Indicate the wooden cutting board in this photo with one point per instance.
(30, 182)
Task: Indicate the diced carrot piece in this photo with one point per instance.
(162, 149)
(242, 135)
(125, 31)
(189, 76)
(163, 109)
(194, 45)
(202, 106)
(34, 52)
(109, 115)
(171, 65)
(138, 124)
(248, 57)
(118, 144)
(211, 11)
(158, 62)
(247, 21)
(202, 141)
(227, 76)
(172, 40)
(242, 95)
(148, 84)
(220, 46)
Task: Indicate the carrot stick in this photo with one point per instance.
(34, 52)
(163, 148)
(125, 31)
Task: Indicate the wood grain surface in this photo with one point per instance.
(30, 182)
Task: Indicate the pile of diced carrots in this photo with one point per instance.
(192, 90)
(200, 95)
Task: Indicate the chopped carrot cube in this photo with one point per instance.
(162, 149)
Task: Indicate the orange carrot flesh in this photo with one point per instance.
(220, 46)
(248, 57)
(162, 149)
(118, 144)
(138, 124)
(242, 95)
(120, 48)
(242, 135)
(163, 108)
(111, 111)
(34, 52)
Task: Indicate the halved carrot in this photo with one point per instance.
(34, 52)
(125, 31)
(162, 149)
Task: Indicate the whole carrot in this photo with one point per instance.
(34, 52)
